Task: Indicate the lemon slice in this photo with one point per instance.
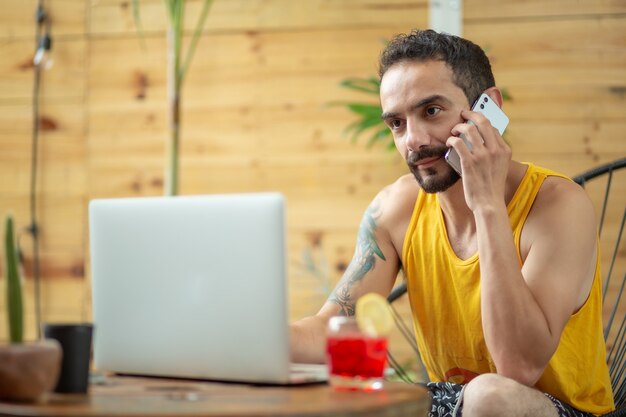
(373, 315)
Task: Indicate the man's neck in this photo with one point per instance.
(455, 210)
(458, 216)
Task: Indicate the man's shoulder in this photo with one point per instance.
(402, 192)
(406, 183)
(561, 190)
(555, 189)
(396, 201)
(560, 197)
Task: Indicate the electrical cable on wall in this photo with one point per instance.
(40, 61)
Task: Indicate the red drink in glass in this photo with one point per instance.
(355, 360)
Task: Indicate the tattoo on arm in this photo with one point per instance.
(364, 260)
(341, 296)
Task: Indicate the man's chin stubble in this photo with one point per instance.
(433, 184)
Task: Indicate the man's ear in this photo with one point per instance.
(495, 94)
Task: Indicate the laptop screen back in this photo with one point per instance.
(191, 286)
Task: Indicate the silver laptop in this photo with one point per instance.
(193, 287)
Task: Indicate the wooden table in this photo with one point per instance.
(133, 396)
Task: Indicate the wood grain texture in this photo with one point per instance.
(63, 82)
(114, 17)
(18, 18)
(539, 9)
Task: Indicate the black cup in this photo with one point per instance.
(75, 340)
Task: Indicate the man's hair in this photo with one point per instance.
(469, 64)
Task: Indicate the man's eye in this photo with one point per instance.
(396, 124)
(431, 111)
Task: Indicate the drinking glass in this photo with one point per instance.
(356, 361)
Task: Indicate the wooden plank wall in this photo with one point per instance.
(256, 114)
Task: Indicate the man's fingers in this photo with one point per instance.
(470, 133)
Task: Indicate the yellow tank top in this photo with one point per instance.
(444, 292)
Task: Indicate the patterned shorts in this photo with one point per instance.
(446, 396)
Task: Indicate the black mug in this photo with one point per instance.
(75, 341)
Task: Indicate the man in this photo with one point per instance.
(501, 264)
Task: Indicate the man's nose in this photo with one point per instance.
(417, 136)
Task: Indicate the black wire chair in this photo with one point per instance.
(615, 330)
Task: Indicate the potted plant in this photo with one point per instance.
(27, 369)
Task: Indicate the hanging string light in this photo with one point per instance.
(41, 60)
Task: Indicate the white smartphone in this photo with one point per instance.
(494, 114)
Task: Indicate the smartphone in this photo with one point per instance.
(494, 114)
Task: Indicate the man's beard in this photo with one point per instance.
(428, 178)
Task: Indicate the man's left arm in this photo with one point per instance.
(524, 311)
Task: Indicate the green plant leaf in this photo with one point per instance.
(368, 110)
(369, 117)
(171, 7)
(176, 15)
(380, 135)
(137, 18)
(196, 36)
(14, 286)
(359, 126)
(506, 95)
(368, 114)
(369, 85)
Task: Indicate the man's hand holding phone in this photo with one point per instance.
(493, 113)
(484, 154)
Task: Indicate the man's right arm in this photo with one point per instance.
(373, 268)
